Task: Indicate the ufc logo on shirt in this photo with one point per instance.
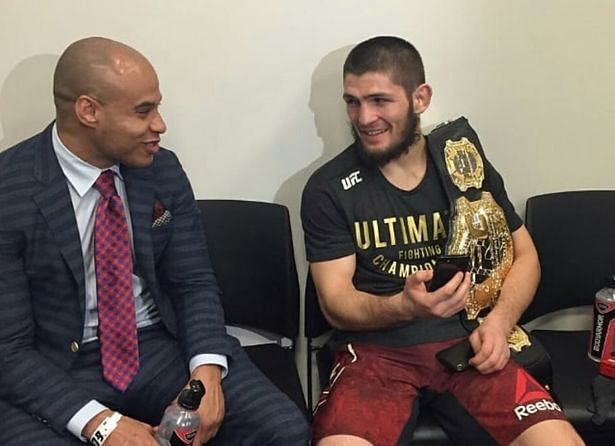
(351, 180)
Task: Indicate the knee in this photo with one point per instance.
(291, 429)
(296, 433)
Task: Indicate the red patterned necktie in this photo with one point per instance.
(117, 326)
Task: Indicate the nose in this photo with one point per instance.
(157, 124)
(365, 115)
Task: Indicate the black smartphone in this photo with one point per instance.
(446, 267)
(456, 357)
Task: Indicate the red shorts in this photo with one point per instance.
(372, 390)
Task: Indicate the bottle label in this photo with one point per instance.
(601, 340)
(182, 437)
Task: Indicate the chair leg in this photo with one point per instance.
(309, 374)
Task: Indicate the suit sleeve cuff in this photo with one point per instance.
(78, 421)
(208, 358)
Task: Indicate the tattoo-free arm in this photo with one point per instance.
(347, 308)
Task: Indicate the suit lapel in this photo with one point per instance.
(56, 207)
(141, 196)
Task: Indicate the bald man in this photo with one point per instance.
(67, 374)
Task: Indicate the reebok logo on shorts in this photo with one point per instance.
(531, 397)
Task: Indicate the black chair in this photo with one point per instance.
(315, 326)
(574, 233)
(250, 246)
(427, 431)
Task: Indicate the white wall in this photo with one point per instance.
(252, 88)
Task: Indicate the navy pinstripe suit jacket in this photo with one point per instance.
(42, 292)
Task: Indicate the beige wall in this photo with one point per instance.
(252, 88)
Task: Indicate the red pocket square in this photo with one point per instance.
(158, 210)
(161, 216)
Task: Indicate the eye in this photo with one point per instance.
(380, 101)
(145, 109)
(351, 101)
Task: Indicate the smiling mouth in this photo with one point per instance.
(371, 133)
(152, 146)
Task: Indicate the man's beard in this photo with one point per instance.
(382, 157)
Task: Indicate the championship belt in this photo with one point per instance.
(478, 229)
(477, 225)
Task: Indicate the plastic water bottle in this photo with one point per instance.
(602, 343)
(180, 421)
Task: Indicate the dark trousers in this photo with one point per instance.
(257, 413)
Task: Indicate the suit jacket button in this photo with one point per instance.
(74, 346)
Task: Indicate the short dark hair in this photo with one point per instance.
(388, 54)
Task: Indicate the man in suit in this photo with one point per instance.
(69, 371)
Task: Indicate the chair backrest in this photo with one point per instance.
(251, 250)
(315, 322)
(574, 233)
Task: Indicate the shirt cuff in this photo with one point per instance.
(209, 358)
(78, 421)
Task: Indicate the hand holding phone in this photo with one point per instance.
(446, 268)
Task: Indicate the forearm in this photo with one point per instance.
(347, 308)
(521, 282)
(41, 388)
(28, 378)
(355, 310)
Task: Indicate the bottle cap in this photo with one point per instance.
(609, 281)
(190, 398)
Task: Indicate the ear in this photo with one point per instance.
(86, 110)
(421, 98)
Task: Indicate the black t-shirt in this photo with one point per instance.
(348, 208)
